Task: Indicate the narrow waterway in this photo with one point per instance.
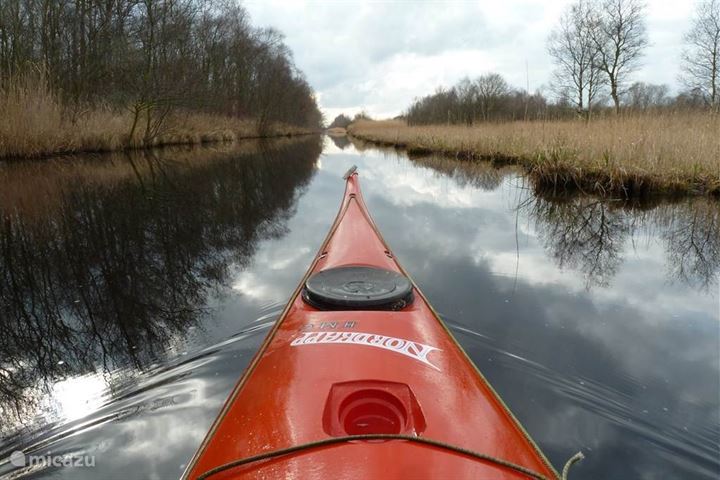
(135, 288)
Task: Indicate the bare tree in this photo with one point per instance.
(642, 96)
(153, 57)
(618, 31)
(701, 57)
(341, 121)
(576, 56)
(491, 88)
(467, 92)
(486, 98)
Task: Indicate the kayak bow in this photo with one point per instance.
(360, 378)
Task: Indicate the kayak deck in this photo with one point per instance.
(328, 374)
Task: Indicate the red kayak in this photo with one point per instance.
(360, 378)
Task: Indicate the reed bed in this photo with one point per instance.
(629, 155)
(35, 123)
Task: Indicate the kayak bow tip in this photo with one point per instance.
(352, 171)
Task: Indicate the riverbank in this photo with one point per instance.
(628, 156)
(35, 123)
(104, 131)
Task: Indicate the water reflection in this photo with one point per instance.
(584, 234)
(596, 321)
(692, 233)
(574, 310)
(340, 141)
(590, 235)
(115, 272)
(483, 175)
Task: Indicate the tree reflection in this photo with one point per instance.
(583, 234)
(117, 271)
(340, 141)
(589, 235)
(693, 242)
(483, 175)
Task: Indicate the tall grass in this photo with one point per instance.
(34, 122)
(630, 155)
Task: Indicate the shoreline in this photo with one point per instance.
(155, 146)
(557, 161)
(188, 139)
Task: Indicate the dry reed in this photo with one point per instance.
(35, 123)
(628, 156)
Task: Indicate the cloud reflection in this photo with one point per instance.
(590, 319)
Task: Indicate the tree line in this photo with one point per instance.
(343, 121)
(595, 47)
(202, 55)
(488, 97)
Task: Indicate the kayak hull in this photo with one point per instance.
(329, 374)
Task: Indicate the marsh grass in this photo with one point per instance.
(35, 123)
(638, 155)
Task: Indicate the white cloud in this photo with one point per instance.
(378, 56)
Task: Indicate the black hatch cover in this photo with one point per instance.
(358, 288)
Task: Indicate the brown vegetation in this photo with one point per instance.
(627, 156)
(91, 75)
(595, 46)
(35, 123)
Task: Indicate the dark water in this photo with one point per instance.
(134, 289)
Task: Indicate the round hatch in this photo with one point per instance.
(358, 288)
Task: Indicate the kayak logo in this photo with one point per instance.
(19, 459)
(414, 350)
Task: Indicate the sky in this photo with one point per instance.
(378, 56)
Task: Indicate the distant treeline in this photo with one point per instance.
(485, 98)
(596, 47)
(343, 121)
(490, 98)
(199, 55)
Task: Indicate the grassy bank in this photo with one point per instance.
(626, 156)
(35, 123)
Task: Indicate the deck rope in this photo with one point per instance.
(425, 441)
(573, 460)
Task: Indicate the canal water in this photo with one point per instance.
(135, 288)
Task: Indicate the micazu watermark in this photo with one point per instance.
(19, 459)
